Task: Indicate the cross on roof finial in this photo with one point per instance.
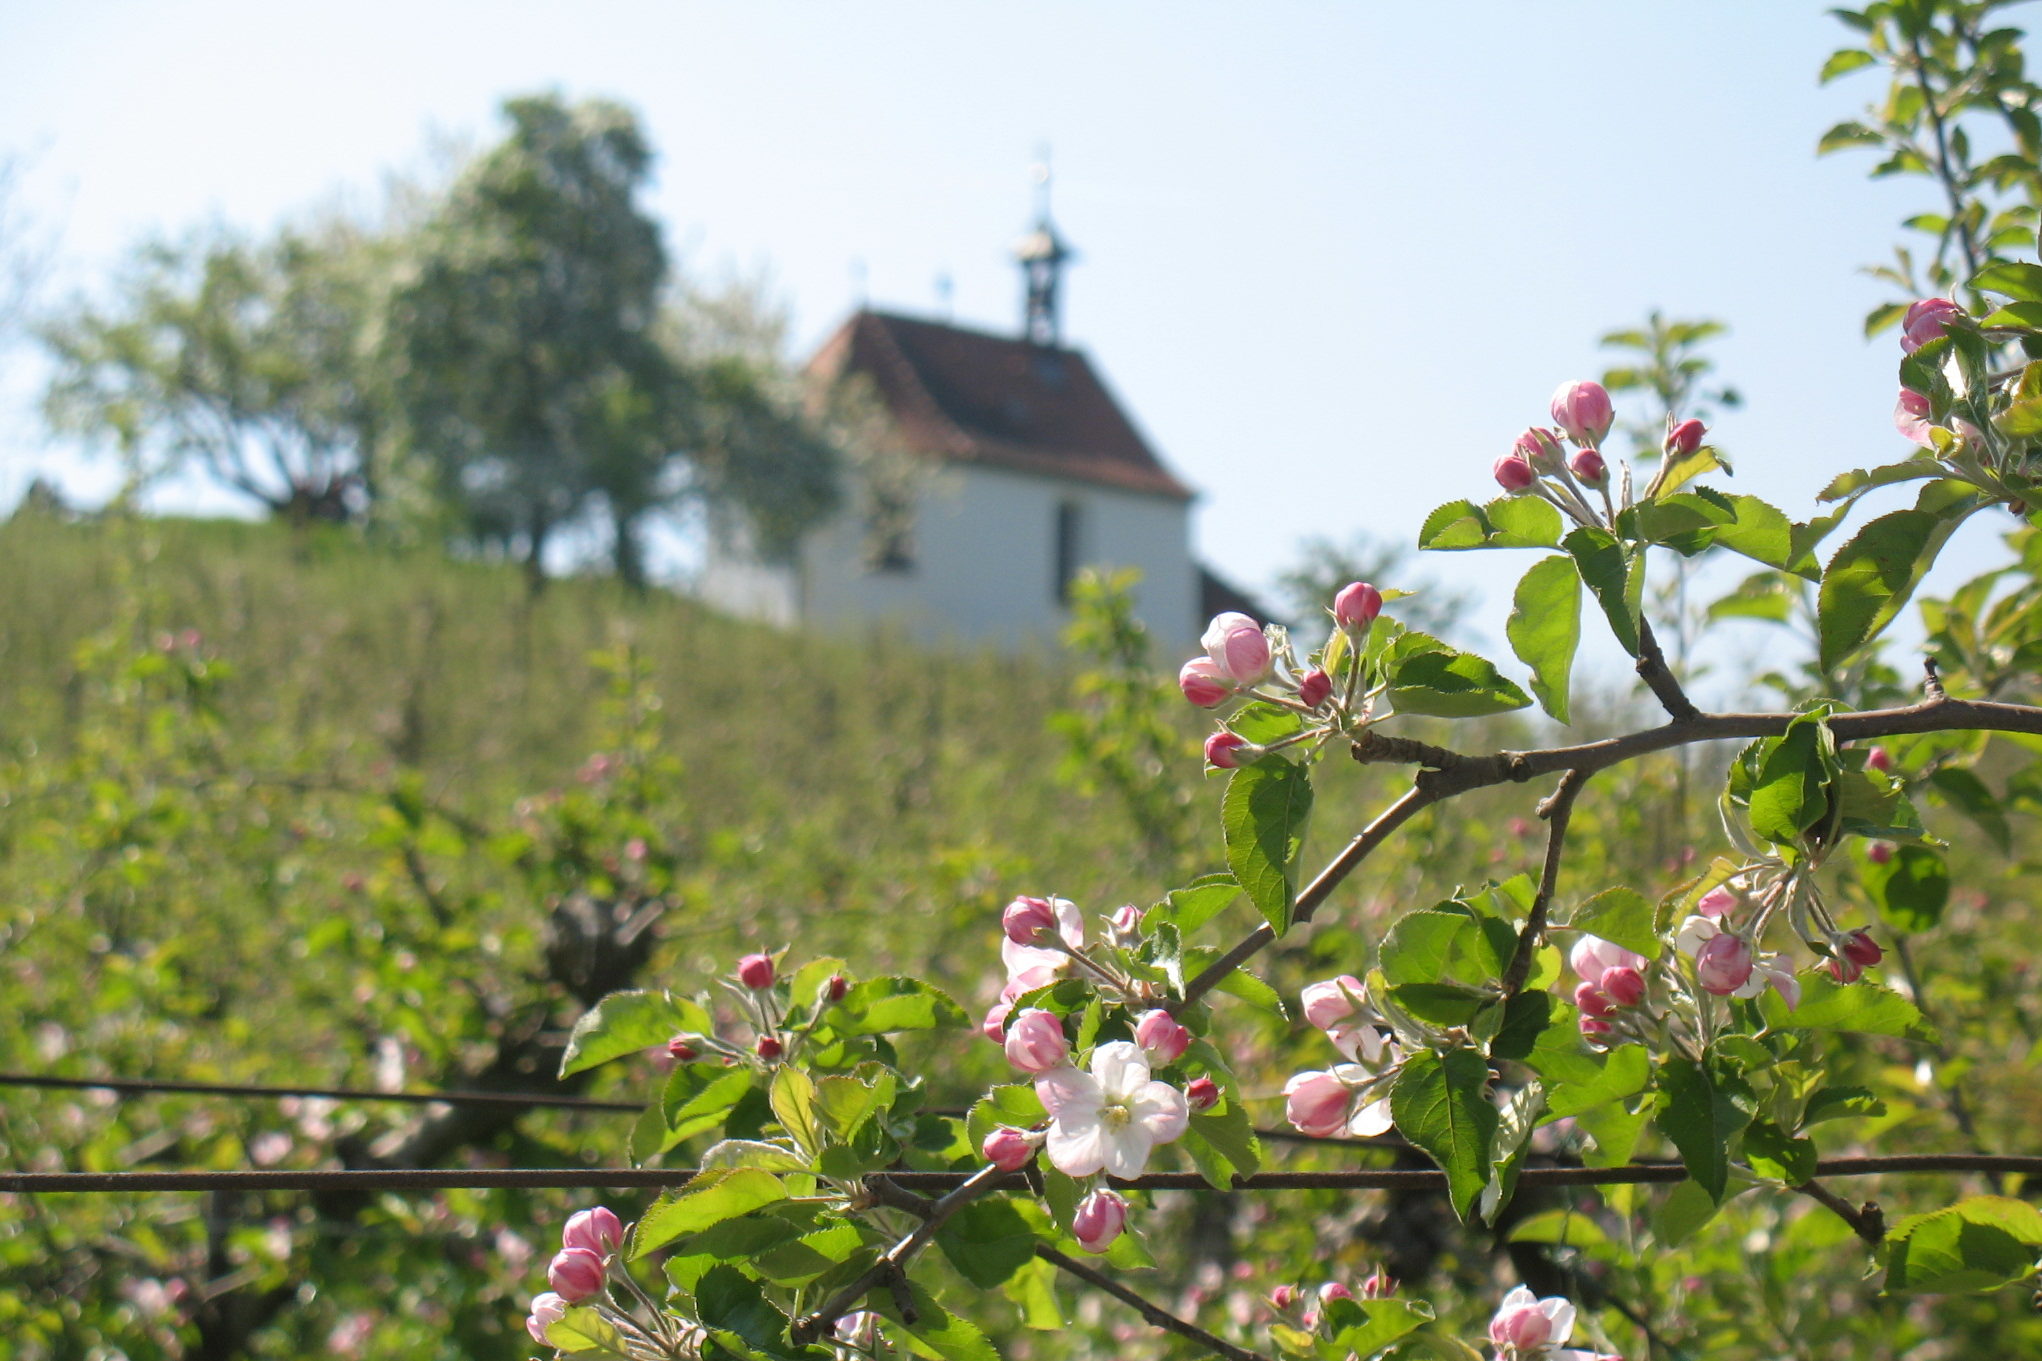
(1041, 255)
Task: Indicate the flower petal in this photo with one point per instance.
(1068, 1094)
(1370, 1120)
(1160, 1112)
(1120, 1068)
(1559, 1312)
(1078, 1149)
(1127, 1152)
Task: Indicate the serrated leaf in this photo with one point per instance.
(1858, 481)
(1840, 1103)
(1615, 579)
(1427, 676)
(1507, 522)
(581, 1331)
(1980, 1243)
(1621, 916)
(879, 1006)
(940, 1333)
(2010, 279)
(1440, 1102)
(1703, 1111)
(626, 1022)
(1264, 815)
(709, 1198)
(1859, 1008)
(1199, 901)
(1771, 1152)
(1544, 629)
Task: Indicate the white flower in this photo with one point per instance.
(1110, 1118)
(1034, 966)
(1766, 971)
(1526, 1326)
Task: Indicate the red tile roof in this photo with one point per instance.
(972, 397)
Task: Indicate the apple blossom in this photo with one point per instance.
(1099, 1219)
(1879, 852)
(1333, 1001)
(1591, 1001)
(1238, 647)
(1008, 1148)
(575, 1273)
(1582, 408)
(1124, 927)
(994, 1026)
(1625, 987)
(1109, 1118)
(1313, 688)
(1880, 759)
(596, 1230)
(1357, 605)
(1228, 751)
(1513, 472)
(1380, 1285)
(1324, 1104)
(1685, 438)
(1588, 465)
(681, 1049)
(1161, 1036)
(1911, 418)
(1203, 683)
(834, 988)
(1035, 1042)
(1723, 963)
(769, 1047)
(1592, 957)
(1540, 448)
(1716, 901)
(1855, 952)
(1527, 1327)
(1024, 917)
(547, 1310)
(1201, 1094)
(1034, 966)
(1925, 321)
(1284, 1297)
(755, 972)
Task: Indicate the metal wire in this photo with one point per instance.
(554, 1178)
(154, 1087)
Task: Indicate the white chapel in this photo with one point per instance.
(1033, 472)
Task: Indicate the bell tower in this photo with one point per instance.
(1042, 256)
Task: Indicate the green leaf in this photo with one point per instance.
(987, 1241)
(793, 1099)
(879, 1006)
(1846, 135)
(1229, 1144)
(1859, 1008)
(1364, 1327)
(939, 1332)
(1623, 1072)
(1872, 577)
(810, 1256)
(1199, 901)
(1263, 814)
(1544, 629)
(767, 1157)
(1772, 1152)
(1970, 796)
(1980, 1243)
(709, 1199)
(1682, 1214)
(735, 1310)
(1562, 1228)
(1858, 481)
(1615, 577)
(2010, 279)
(1621, 916)
(626, 1022)
(1844, 61)
(2019, 316)
(1427, 676)
(1440, 1103)
(1840, 1103)
(1911, 889)
(1791, 793)
(1507, 522)
(1703, 1111)
(581, 1331)
(1764, 534)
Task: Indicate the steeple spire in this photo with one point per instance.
(1042, 255)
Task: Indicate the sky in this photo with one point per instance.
(1332, 256)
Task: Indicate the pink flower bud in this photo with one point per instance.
(576, 1273)
(596, 1230)
(1201, 1094)
(1592, 1027)
(1859, 948)
(1238, 648)
(1313, 688)
(1380, 1285)
(1911, 418)
(1203, 684)
(547, 1310)
(1582, 409)
(994, 1026)
(1523, 1327)
(755, 972)
(1100, 1218)
(1284, 1296)
(1540, 448)
(834, 988)
(681, 1049)
(1625, 987)
(1035, 1042)
(1316, 1104)
(1590, 1000)
(1160, 1034)
(1334, 1290)
(1879, 852)
(1025, 916)
(1685, 438)
(1716, 901)
(1357, 605)
(1008, 1149)
(1925, 321)
(1879, 759)
(1513, 472)
(1126, 922)
(1587, 465)
(769, 1047)
(1228, 751)
(1723, 963)
(1329, 1003)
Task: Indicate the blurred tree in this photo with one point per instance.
(1324, 566)
(1665, 366)
(249, 359)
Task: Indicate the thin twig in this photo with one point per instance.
(1866, 1221)
(1659, 678)
(158, 1086)
(1557, 810)
(1154, 1313)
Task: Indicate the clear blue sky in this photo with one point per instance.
(1334, 255)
